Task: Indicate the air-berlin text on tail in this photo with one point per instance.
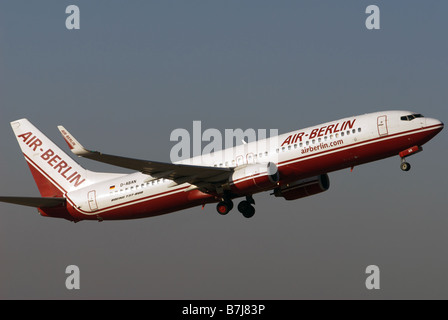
(319, 132)
(52, 159)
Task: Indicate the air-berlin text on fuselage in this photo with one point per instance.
(52, 159)
(319, 132)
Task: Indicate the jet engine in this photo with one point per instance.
(303, 188)
(253, 178)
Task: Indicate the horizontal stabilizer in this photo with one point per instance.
(34, 201)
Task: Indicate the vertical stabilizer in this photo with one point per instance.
(53, 170)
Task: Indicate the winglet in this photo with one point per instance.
(73, 144)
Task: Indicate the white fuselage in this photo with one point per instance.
(298, 155)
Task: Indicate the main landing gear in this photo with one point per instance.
(224, 207)
(245, 207)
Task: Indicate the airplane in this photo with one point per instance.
(291, 165)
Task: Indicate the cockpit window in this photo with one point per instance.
(411, 117)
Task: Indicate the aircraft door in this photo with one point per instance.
(382, 126)
(92, 200)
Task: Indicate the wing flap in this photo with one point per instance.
(36, 202)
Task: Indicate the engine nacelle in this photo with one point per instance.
(253, 178)
(304, 188)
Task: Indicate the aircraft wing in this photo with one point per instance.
(179, 173)
(34, 201)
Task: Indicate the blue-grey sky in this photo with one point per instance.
(136, 70)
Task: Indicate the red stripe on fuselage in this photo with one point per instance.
(353, 154)
(372, 141)
(154, 205)
(290, 170)
(299, 168)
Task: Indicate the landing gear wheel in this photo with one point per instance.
(246, 209)
(224, 207)
(405, 166)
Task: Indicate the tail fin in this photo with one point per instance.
(53, 170)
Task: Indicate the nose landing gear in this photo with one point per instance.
(405, 153)
(405, 166)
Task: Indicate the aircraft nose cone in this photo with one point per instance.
(430, 122)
